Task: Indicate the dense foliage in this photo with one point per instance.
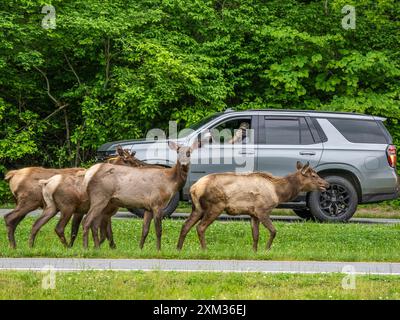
(112, 69)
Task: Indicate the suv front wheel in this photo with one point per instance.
(337, 204)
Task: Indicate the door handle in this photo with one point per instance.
(246, 152)
(307, 153)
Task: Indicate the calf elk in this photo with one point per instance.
(254, 194)
(147, 188)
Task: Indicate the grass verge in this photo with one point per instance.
(226, 240)
(200, 285)
(364, 211)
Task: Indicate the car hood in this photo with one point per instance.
(111, 146)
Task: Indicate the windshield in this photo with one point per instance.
(202, 122)
(184, 132)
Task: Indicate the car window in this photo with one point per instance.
(359, 131)
(235, 131)
(289, 131)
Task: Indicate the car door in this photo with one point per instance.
(284, 140)
(217, 154)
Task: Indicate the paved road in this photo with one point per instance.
(123, 214)
(199, 265)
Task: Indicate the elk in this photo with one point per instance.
(63, 192)
(148, 188)
(24, 185)
(255, 194)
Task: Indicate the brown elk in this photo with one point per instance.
(147, 188)
(24, 185)
(63, 192)
(254, 194)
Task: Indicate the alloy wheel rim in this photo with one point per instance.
(335, 201)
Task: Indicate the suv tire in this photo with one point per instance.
(167, 211)
(337, 204)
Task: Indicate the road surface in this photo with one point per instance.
(71, 264)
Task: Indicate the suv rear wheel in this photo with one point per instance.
(337, 204)
(168, 210)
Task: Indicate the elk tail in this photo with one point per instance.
(47, 194)
(43, 182)
(10, 174)
(89, 174)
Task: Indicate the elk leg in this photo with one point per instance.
(13, 218)
(158, 226)
(255, 224)
(47, 214)
(194, 217)
(76, 221)
(60, 228)
(106, 226)
(110, 235)
(266, 221)
(96, 224)
(103, 230)
(148, 216)
(106, 232)
(92, 215)
(202, 226)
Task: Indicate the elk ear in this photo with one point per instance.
(120, 151)
(196, 144)
(133, 153)
(305, 168)
(172, 145)
(299, 165)
(127, 154)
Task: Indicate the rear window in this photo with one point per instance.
(289, 131)
(360, 131)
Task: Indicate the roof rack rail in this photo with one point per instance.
(309, 111)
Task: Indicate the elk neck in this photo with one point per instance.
(179, 174)
(288, 188)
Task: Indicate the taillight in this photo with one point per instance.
(391, 155)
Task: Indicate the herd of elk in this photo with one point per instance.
(125, 181)
(64, 193)
(146, 188)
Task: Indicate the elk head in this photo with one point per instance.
(309, 179)
(183, 152)
(124, 158)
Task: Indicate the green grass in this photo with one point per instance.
(364, 211)
(226, 240)
(199, 285)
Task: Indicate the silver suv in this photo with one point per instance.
(353, 152)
